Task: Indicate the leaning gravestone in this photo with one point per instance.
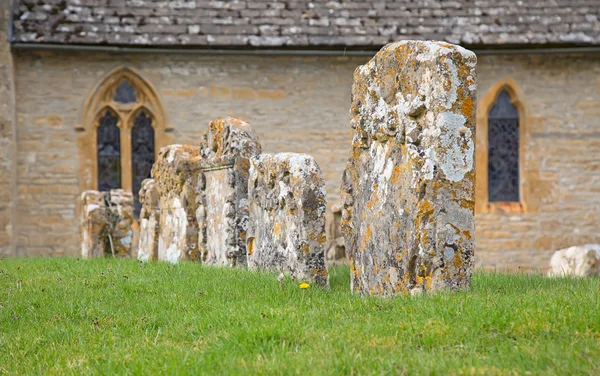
(286, 232)
(408, 188)
(222, 212)
(149, 219)
(176, 178)
(106, 223)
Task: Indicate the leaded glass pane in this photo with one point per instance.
(125, 93)
(109, 152)
(503, 157)
(142, 151)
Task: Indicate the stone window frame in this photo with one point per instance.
(482, 204)
(99, 100)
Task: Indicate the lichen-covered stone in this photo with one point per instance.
(149, 219)
(578, 261)
(120, 205)
(93, 220)
(222, 212)
(408, 188)
(106, 221)
(176, 178)
(287, 208)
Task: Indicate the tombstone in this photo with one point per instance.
(120, 205)
(335, 248)
(222, 212)
(286, 232)
(106, 221)
(149, 219)
(577, 261)
(92, 224)
(408, 188)
(176, 179)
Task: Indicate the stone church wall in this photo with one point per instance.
(301, 104)
(7, 136)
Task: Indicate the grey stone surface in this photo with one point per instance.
(287, 208)
(408, 190)
(222, 212)
(149, 220)
(306, 23)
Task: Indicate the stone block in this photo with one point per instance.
(120, 208)
(408, 187)
(93, 223)
(286, 232)
(149, 219)
(106, 220)
(176, 178)
(578, 261)
(222, 212)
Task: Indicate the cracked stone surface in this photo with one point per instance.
(287, 208)
(222, 212)
(408, 187)
(149, 219)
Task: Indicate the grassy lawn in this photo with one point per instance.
(106, 316)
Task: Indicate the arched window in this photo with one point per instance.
(502, 123)
(123, 126)
(503, 150)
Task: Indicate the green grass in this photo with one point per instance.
(106, 316)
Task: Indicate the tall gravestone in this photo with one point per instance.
(408, 189)
(222, 212)
(287, 208)
(176, 177)
(149, 220)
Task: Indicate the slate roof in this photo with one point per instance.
(306, 24)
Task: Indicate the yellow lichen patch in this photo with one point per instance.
(321, 239)
(305, 248)
(467, 107)
(250, 247)
(365, 239)
(324, 272)
(457, 260)
(277, 228)
(398, 257)
(396, 175)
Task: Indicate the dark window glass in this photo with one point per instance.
(142, 151)
(125, 93)
(109, 152)
(503, 158)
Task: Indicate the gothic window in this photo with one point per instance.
(503, 150)
(109, 152)
(142, 153)
(123, 126)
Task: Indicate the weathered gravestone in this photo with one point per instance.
(106, 220)
(408, 188)
(176, 178)
(287, 216)
(222, 212)
(577, 261)
(149, 219)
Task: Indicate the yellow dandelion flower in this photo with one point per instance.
(304, 285)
